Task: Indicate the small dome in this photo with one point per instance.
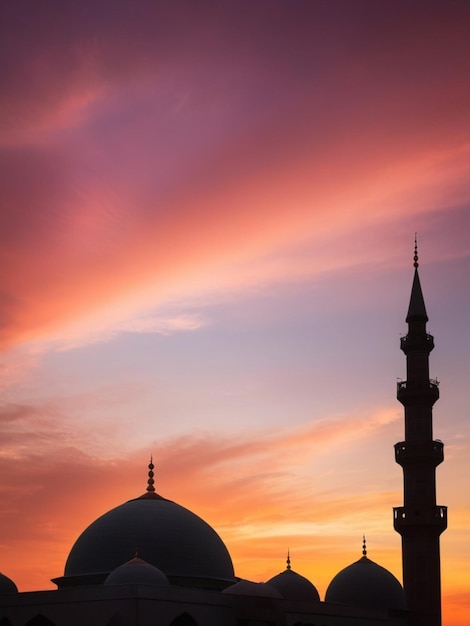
(7, 585)
(293, 586)
(249, 588)
(137, 572)
(365, 584)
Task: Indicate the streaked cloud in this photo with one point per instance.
(206, 227)
(251, 475)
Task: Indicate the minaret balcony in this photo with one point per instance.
(434, 518)
(421, 341)
(419, 452)
(417, 392)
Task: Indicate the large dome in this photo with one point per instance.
(165, 534)
(365, 584)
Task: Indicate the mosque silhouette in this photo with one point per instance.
(182, 574)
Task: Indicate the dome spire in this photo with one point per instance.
(150, 489)
(150, 481)
(415, 257)
(364, 558)
(288, 559)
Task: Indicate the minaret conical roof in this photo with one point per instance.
(417, 308)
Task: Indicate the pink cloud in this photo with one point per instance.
(164, 156)
(150, 161)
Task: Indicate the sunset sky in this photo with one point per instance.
(208, 212)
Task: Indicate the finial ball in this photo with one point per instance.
(415, 258)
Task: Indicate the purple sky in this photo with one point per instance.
(207, 222)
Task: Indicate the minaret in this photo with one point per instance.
(420, 521)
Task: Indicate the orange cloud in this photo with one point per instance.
(263, 491)
(63, 285)
(48, 480)
(147, 178)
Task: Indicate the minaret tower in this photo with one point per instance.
(420, 521)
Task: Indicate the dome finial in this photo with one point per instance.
(288, 559)
(415, 258)
(150, 481)
(364, 547)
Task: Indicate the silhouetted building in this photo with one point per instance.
(182, 574)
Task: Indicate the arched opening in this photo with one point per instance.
(125, 617)
(185, 619)
(39, 620)
(257, 622)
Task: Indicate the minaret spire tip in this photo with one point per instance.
(415, 257)
(288, 559)
(364, 546)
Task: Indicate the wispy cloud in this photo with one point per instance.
(46, 474)
(166, 179)
(85, 334)
(130, 191)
